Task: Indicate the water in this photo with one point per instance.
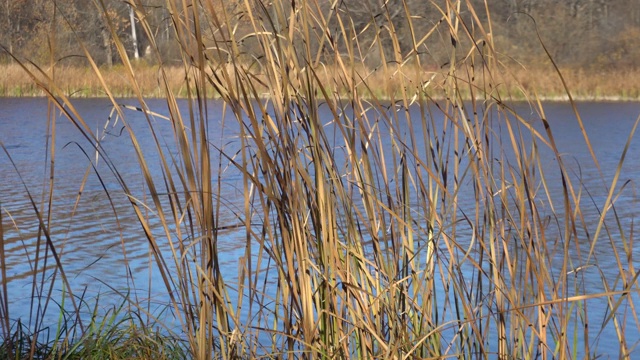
(89, 237)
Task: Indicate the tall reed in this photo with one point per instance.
(376, 225)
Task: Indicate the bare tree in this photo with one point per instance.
(134, 37)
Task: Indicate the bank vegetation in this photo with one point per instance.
(594, 43)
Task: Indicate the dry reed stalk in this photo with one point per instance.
(411, 223)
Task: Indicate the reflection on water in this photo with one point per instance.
(98, 239)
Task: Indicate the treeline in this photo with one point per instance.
(585, 34)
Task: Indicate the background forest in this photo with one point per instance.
(579, 34)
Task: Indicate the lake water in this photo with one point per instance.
(89, 236)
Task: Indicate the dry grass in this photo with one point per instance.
(523, 82)
(424, 229)
(82, 81)
(613, 84)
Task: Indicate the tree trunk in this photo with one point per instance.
(132, 18)
(106, 42)
(9, 29)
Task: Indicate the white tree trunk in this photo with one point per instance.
(132, 18)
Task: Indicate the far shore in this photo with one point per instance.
(510, 84)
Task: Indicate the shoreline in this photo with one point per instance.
(547, 99)
(510, 85)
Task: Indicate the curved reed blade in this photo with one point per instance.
(362, 186)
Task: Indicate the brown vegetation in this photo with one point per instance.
(596, 43)
(520, 83)
(362, 238)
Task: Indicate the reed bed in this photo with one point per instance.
(410, 224)
(522, 83)
(79, 82)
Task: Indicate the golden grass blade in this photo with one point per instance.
(4, 296)
(612, 188)
(384, 209)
